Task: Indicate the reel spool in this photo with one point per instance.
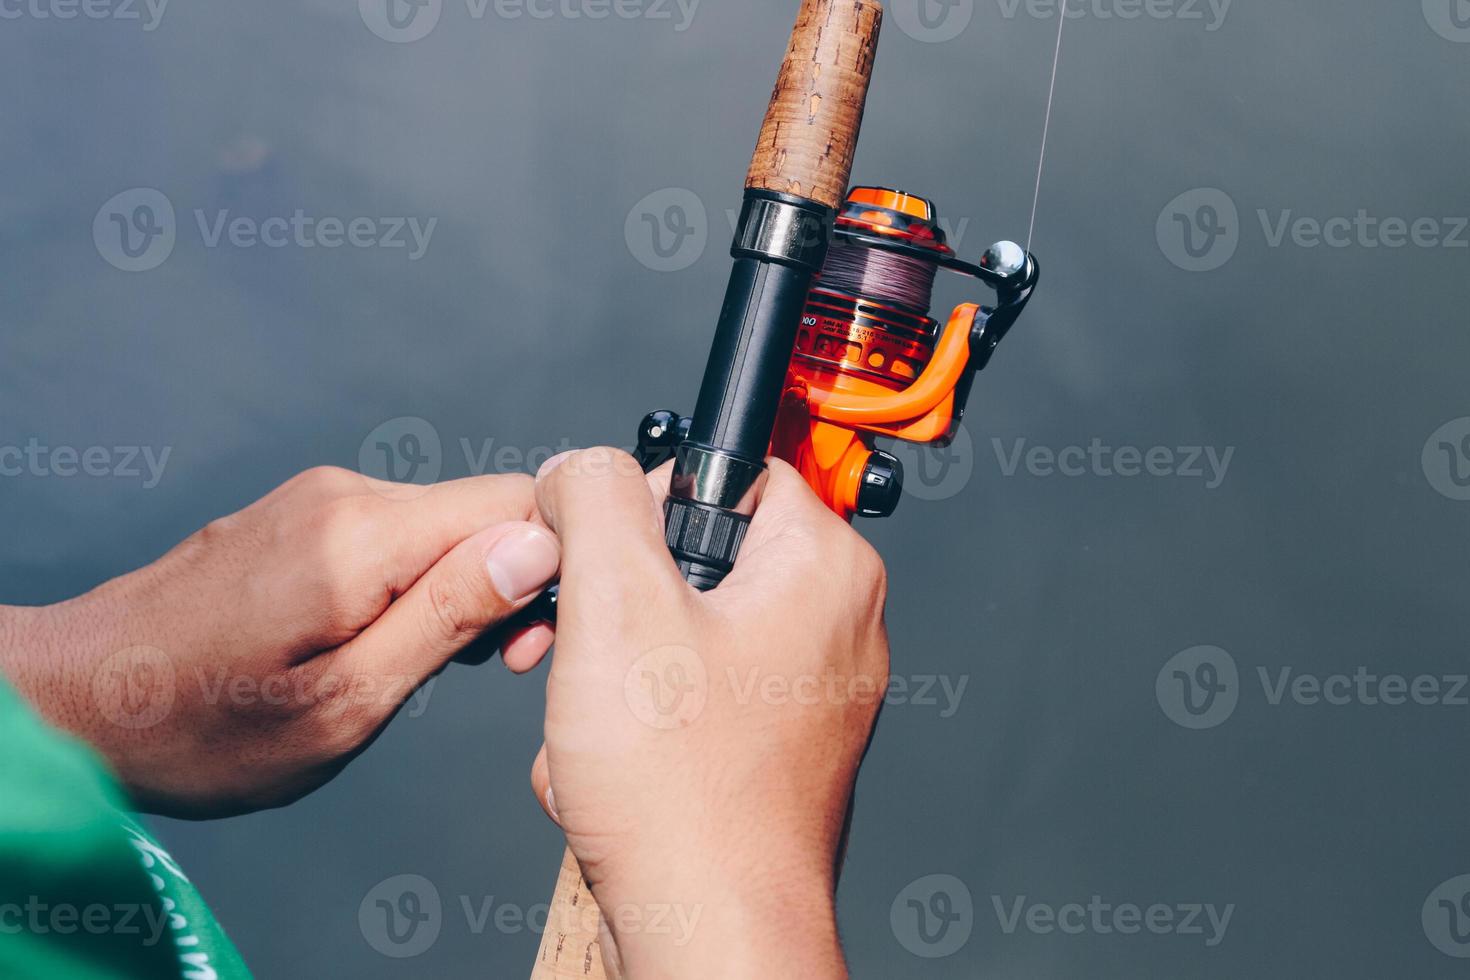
(869, 359)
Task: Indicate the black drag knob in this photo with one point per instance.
(704, 540)
(659, 436)
(882, 486)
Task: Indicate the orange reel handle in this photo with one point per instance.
(827, 434)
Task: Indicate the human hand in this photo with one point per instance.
(251, 663)
(701, 749)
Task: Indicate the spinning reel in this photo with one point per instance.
(870, 361)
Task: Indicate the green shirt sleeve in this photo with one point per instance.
(85, 892)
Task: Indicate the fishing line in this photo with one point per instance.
(1046, 127)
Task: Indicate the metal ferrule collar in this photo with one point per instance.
(718, 479)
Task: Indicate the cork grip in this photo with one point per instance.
(570, 945)
(811, 130)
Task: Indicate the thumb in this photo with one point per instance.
(599, 503)
(479, 583)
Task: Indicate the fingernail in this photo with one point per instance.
(551, 804)
(552, 464)
(522, 563)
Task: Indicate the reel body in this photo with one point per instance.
(869, 360)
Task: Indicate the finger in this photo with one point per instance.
(480, 582)
(792, 533)
(599, 503)
(527, 647)
(424, 528)
(541, 785)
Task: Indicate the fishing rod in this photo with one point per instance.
(824, 344)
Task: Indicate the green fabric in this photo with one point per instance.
(85, 892)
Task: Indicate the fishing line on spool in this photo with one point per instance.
(882, 275)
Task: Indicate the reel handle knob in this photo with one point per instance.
(882, 485)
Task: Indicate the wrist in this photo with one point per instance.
(28, 653)
(46, 656)
(712, 923)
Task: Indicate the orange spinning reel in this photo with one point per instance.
(870, 361)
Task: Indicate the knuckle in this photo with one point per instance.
(349, 524)
(324, 480)
(868, 570)
(519, 487)
(599, 462)
(453, 609)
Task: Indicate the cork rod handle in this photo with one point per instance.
(571, 948)
(810, 134)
